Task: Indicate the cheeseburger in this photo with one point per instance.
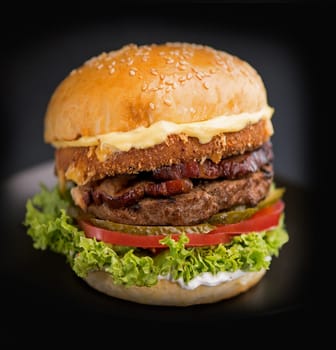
(165, 192)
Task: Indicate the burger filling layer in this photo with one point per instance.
(181, 194)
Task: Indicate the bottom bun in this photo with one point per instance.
(170, 293)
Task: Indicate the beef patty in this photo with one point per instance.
(204, 200)
(182, 194)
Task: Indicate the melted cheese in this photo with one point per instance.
(157, 133)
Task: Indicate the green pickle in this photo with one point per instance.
(233, 216)
(152, 230)
(227, 217)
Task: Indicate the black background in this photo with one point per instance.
(44, 51)
(40, 50)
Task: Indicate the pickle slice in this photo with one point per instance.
(151, 230)
(233, 216)
(274, 195)
(225, 217)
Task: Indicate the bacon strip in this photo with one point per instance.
(126, 190)
(117, 193)
(230, 168)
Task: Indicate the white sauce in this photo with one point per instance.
(208, 279)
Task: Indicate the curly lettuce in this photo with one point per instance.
(50, 227)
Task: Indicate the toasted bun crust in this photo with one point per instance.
(166, 293)
(140, 85)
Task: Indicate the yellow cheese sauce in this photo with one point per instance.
(157, 133)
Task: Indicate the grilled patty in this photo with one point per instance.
(204, 200)
(182, 194)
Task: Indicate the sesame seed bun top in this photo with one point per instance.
(140, 85)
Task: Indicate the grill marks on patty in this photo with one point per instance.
(180, 194)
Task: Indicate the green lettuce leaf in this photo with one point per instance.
(50, 227)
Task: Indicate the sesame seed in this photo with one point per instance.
(130, 62)
(74, 71)
(212, 70)
(199, 76)
(154, 71)
(169, 60)
(167, 102)
(183, 62)
(112, 70)
(189, 76)
(175, 85)
(131, 46)
(161, 53)
(152, 106)
(206, 85)
(192, 110)
(182, 79)
(123, 60)
(145, 58)
(100, 66)
(175, 52)
(90, 61)
(162, 76)
(182, 68)
(169, 89)
(144, 87)
(132, 72)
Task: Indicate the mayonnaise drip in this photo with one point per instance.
(206, 279)
(157, 133)
(209, 279)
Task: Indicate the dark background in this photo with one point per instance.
(283, 42)
(44, 51)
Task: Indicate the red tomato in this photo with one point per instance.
(264, 219)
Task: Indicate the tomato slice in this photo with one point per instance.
(264, 219)
(132, 240)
